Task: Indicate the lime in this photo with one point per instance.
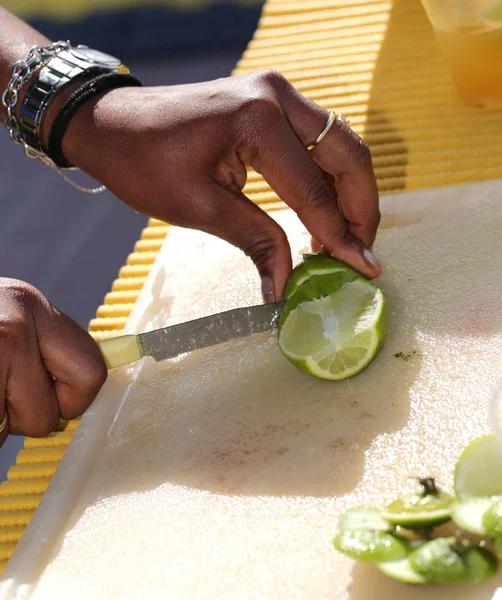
(444, 560)
(371, 546)
(469, 514)
(364, 518)
(401, 570)
(497, 546)
(491, 14)
(478, 471)
(315, 265)
(420, 511)
(337, 335)
(492, 519)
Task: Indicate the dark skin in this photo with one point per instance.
(180, 154)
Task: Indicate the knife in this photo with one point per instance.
(172, 341)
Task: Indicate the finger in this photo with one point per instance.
(297, 179)
(3, 409)
(72, 357)
(230, 215)
(28, 396)
(341, 153)
(31, 400)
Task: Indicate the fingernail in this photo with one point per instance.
(370, 259)
(267, 289)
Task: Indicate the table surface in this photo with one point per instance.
(376, 62)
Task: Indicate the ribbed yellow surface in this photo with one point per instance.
(376, 62)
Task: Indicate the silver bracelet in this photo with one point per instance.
(22, 72)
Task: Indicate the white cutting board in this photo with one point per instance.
(222, 475)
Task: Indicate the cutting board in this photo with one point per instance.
(223, 474)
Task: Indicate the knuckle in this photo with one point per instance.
(20, 290)
(359, 151)
(271, 79)
(12, 328)
(319, 195)
(263, 249)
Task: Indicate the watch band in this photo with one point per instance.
(62, 70)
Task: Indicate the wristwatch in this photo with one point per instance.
(64, 68)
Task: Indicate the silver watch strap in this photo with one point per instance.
(64, 68)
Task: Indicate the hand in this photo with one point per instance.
(180, 154)
(50, 369)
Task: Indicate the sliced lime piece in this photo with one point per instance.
(422, 510)
(371, 546)
(469, 514)
(492, 518)
(401, 570)
(364, 518)
(444, 560)
(478, 471)
(337, 336)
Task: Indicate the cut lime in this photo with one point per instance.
(371, 546)
(364, 518)
(492, 519)
(478, 472)
(444, 560)
(336, 336)
(401, 570)
(469, 514)
(422, 510)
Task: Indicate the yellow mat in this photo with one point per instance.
(377, 63)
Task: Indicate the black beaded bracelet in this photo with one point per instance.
(88, 90)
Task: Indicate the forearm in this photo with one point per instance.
(16, 39)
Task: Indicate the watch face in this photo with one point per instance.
(95, 56)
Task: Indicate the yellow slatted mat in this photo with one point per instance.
(374, 61)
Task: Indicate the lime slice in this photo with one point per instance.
(478, 471)
(420, 511)
(491, 14)
(364, 518)
(492, 519)
(401, 570)
(469, 514)
(336, 336)
(371, 546)
(444, 560)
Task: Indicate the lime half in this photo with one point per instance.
(478, 472)
(338, 335)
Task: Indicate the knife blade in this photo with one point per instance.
(172, 341)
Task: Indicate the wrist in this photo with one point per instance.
(55, 107)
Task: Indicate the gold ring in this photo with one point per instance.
(4, 423)
(332, 117)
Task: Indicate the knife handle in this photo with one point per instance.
(121, 350)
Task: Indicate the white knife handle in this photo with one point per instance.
(121, 350)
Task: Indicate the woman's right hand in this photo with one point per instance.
(50, 368)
